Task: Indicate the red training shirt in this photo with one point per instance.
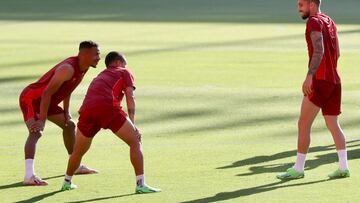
(328, 68)
(108, 88)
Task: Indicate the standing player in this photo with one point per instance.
(102, 109)
(39, 101)
(322, 88)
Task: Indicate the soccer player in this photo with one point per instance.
(40, 102)
(102, 109)
(322, 88)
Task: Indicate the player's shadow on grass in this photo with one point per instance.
(103, 198)
(39, 197)
(252, 190)
(20, 184)
(43, 196)
(353, 153)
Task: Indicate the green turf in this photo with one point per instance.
(218, 95)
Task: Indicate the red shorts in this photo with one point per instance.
(327, 96)
(93, 119)
(31, 108)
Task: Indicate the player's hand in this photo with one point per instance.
(35, 125)
(67, 118)
(40, 125)
(307, 85)
(138, 134)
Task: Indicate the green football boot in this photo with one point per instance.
(339, 174)
(68, 186)
(290, 174)
(146, 189)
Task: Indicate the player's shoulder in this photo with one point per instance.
(65, 69)
(72, 61)
(314, 23)
(313, 20)
(126, 71)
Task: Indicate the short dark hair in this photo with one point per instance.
(113, 56)
(87, 44)
(317, 2)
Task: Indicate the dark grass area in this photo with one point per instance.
(226, 11)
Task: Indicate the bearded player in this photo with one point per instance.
(40, 102)
(102, 109)
(321, 88)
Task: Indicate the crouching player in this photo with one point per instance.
(102, 109)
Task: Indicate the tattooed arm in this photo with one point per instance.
(318, 45)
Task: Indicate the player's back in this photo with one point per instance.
(107, 89)
(35, 90)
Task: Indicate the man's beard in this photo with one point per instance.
(306, 16)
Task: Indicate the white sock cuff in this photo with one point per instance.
(67, 177)
(342, 152)
(140, 177)
(301, 155)
(29, 161)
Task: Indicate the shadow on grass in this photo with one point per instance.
(226, 11)
(252, 191)
(353, 153)
(12, 109)
(223, 44)
(32, 63)
(12, 185)
(183, 114)
(20, 184)
(12, 123)
(18, 78)
(103, 198)
(39, 197)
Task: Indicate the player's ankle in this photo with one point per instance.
(67, 179)
(140, 180)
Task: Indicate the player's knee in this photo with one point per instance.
(70, 125)
(333, 127)
(303, 123)
(134, 143)
(76, 155)
(35, 135)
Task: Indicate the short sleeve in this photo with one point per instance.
(129, 79)
(314, 24)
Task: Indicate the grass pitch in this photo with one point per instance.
(218, 96)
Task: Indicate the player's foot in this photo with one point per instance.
(68, 186)
(85, 170)
(146, 189)
(290, 173)
(339, 174)
(34, 181)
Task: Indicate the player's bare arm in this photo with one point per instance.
(130, 102)
(338, 48)
(62, 74)
(318, 45)
(66, 105)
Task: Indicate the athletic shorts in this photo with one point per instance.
(327, 96)
(92, 120)
(31, 108)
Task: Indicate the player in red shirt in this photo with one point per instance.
(102, 109)
(39, 102)
(321, 88)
